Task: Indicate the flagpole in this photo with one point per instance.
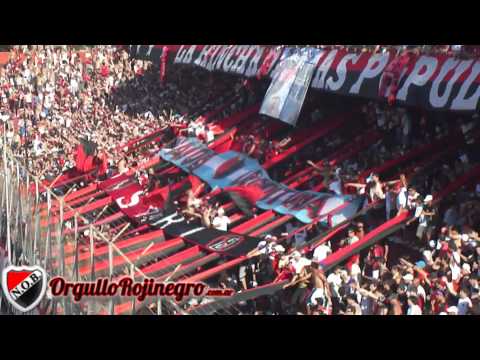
(5, 168)
(2, 212)
(47, 244)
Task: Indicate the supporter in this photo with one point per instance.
(221, 221)
(413, 308)
(321, 296)
(353, 308)
(193, 206)
(464, 303)
(351, 238)
(300, 282)
(321, 252)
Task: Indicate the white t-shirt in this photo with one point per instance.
(411, 200)
(300, 264)
(221, 222)
(455, 266)
(464, 305)
(422, 218)
(402, 199)
(355, 271)
(73, 85)
(321, 252)
(414, 310)
(4, 117)
(421, 292)
(335, 282)
(37, 147)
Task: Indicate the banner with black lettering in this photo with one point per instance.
(434, 82)
(290, 82)
(234, 169)
(212, 240)
(245, 60)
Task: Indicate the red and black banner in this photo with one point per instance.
(131, 197)
(245, 60)
(437, 82)
(209, 239)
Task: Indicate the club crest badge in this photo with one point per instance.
(24, 286)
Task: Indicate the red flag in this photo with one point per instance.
(226, 145)
(80, 157)
(163, 63)
(251, 193)
(197, 185)
(157, 197)
(392, 74)
(103, 164)
(88, 164)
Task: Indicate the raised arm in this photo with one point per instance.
(356, 185)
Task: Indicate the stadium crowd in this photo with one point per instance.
(50, 96)
(431, 266)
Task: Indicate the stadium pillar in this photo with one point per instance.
(48, 251)
(75, 240)
(61, 252)
(110, 274)
(132, 274)
(92, 257)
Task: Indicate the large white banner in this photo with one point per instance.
(298, 91)
(290, 81)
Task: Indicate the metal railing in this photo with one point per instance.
(32, 232)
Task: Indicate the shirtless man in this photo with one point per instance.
(193, 206)
(321, 295)
(326, 171)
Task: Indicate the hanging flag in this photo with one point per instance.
(392, 74)
(290, 82)
(197, 185)
(158, 197)
(84, 155)
(163, 63)
(227, 144)
(245, 197)
(267, 63)
(89, 164)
